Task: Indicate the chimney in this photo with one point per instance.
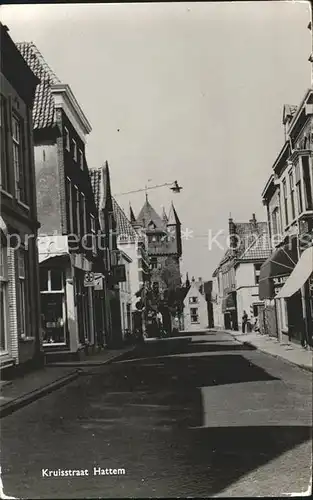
(232, 233)
(254, 224)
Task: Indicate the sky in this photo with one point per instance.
(186, 91)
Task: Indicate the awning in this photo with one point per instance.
(299, 275)
(281, 263)
(228, 303)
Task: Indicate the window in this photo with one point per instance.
(69, 205)
(3, 298)
(255, 310)
(5, 171)
(257, 268)
(22, 264)
(85, 228)
(299, 189)
(194, 315)
(292, 195)
(275, 222)
(307, 183)
(20, 191)
(81, 159)
(154, 262)
(285, 201)
(52, 305)
(93, 232)
(67, 139)
(76, 211)
(81, 214)
(193, 300)
(51, 280)
(74, 150)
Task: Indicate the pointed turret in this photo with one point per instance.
(164, 216)
(187, 283)
(173, 219)
(107, 198)
(132, 217)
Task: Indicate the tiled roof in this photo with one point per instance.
(124, 228)
(147, 214)
(43, 110)
(259, 249)
(245, 238)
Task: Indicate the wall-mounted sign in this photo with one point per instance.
(119, 273)
(280, 281)
(89, 278)
(98, 281)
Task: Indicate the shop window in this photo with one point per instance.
(52, 306)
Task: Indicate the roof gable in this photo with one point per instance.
(126, 232)
(147, 215)
(194, 292)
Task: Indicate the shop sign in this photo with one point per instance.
(278, 283)
(89, 278)
(98, 281)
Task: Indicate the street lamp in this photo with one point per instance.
(174, 186)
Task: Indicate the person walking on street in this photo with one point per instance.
(244, 321)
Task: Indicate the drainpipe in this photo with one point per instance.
(303, 301)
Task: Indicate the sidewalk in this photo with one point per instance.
(292, 353)
(17, 393)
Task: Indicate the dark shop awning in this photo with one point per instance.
(299, 275)
(228, 303)
(280, 264)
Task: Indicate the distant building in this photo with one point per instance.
(163, 235)
(164, 245)
(236, 277)
(195, 307)
(20, 332)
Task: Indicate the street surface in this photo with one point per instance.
(215, 419)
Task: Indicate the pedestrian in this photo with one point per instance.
(244, 321)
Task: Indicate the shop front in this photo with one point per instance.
(297, 291)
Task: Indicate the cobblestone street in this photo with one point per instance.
(215, 418)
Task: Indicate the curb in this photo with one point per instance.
(83, 364)
(277, 356)
(30, 397)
